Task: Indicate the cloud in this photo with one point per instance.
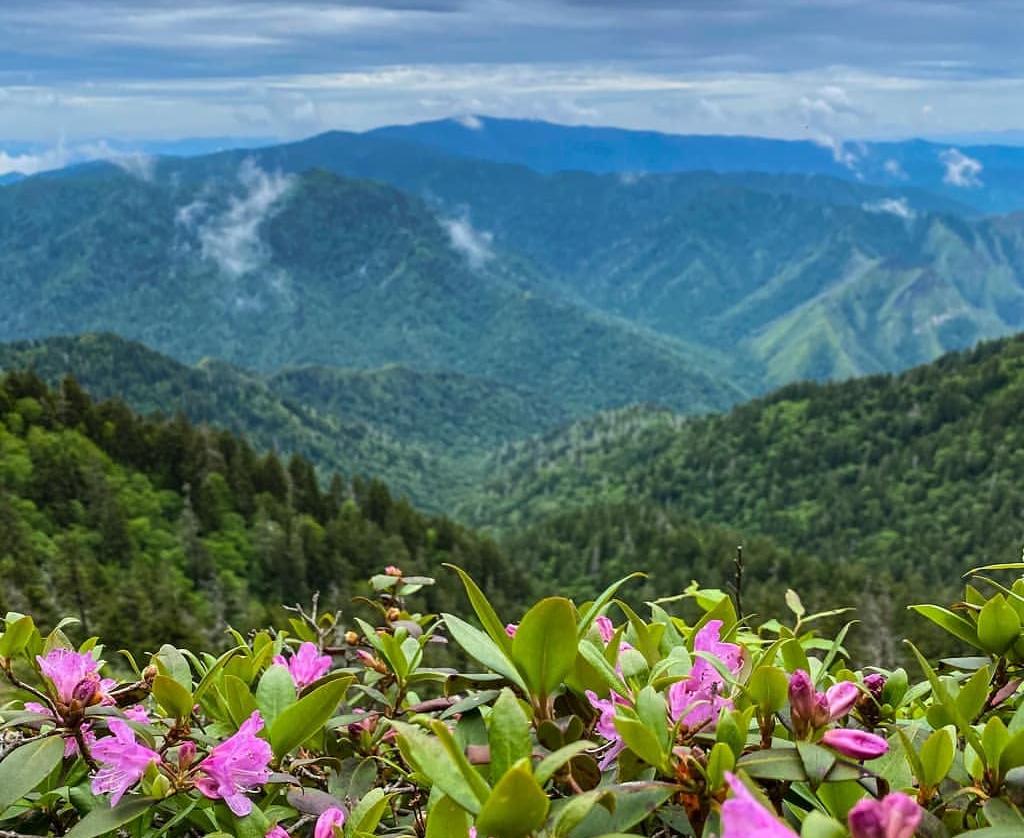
(30, 163)
(893, 206)
(473, 123)
(894, 169)
(474, 244)
(232, 238)
(961, 170)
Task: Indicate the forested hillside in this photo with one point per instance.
(423, 434)
(162, 531)
(896, 484)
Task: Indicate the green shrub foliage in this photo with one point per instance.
(581, 720)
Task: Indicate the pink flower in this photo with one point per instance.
(306, 665)
(74, 675)
(124, 761)
(857, 744)
(277, 832)
(841, 699)
(894, 816)
(810, 709)
(605, 628)
(137, 713)
(700, 697)
(328, 821)
(605, 726)
(70, 743)
(875, 684)
(237, 766)
(511, 629)
(391, 570)
(743, 816)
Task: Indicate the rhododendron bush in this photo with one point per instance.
(579, 720)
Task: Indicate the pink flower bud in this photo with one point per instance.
(894, 816)
(277, 832)
(329, 823)
(857, 744)
(391, 570)
(841, 699)
(87, 690)
(511, 629)
(186, 754)
(875, 684)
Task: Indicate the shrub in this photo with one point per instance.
(571, 724)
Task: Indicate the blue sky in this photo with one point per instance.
(75, 71)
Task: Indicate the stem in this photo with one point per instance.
(17, 684)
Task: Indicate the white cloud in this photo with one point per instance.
(30, 163)
(893, 206)
(473, 123)
(474, 244)
(232, 239)
(894, 169)
(961, 170)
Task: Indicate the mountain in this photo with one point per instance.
(423, 434)
(268, 270)
(11, 177)
(783, 277)
(897, 483)
(988, 177)
(158, 531)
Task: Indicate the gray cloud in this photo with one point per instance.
(747, 66)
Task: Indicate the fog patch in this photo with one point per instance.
(474, 244)
(893, 206)
(961, 170)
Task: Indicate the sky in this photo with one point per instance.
(74, 72)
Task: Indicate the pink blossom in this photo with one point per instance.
(743, 815)
(124, 761)
(605, 726)
(277, 832)
(70, 742)
(306, 665)
(137, 713)
(857, 744)
(391, 570)
(69, 671)
(511, 629)
(875, 684)
(700, 697)
(841, 699)
(894, 816)
(328, 821)
(237, 766)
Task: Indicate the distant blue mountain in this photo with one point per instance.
(10, 177)
(988, 177)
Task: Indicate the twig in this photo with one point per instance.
(737, 585)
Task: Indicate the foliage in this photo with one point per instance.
(568, 725)
(885, 486)
(156, 531)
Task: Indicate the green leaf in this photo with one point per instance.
(773, 764)
(820, 825)
(275, 692)
(641, 740)
(239, 698)
(720, 760)
(481, 648)
(653, 712)
(970, 701)
(308, 715)
(442, 768)
(817, 762)
(768, 688)
(173, 697)
(998, 625)
(544, 648)
(170, 661)
(367, 813)
(508, 734)
(104, 820)
(958, 626)
(485, 612)
(598, 604)
(626, 806)
(16, 637)
(547, 767)
(446, 819)
(937, 755)
(517, 806)
(26, 767)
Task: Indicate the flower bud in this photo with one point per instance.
(186, 754)
(391, 570)
(841, 699)
(351, 638)
(371, 662)
(149, 674)
(894, 816)
(802, 700)
(87, 691)
(875, 683)
(857, 744)
(393, 614)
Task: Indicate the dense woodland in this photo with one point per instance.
(159, 529)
